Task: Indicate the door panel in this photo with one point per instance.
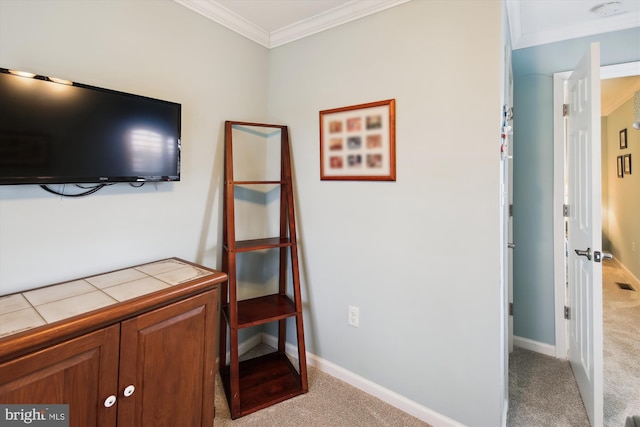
(168, 355)
(81, 373)
(585, 232)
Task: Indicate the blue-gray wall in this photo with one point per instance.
(533, 68)
(420, 256)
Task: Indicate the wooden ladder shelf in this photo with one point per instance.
(260, 382)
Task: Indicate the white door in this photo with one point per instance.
(585, 232)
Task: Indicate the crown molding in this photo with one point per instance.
(357, 9)
(332, 18)
(223, 16)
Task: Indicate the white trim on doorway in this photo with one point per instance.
(559, 247)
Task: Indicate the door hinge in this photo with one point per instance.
(565, 211)
(567, 313)
(511, 209)
(565, 110)
(510, 309)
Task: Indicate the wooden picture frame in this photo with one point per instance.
(623, 139)
(359, 142)
(627, 164)
(620, 166)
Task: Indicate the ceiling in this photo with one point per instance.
(531, 22)
(273, 23)
(536, 22)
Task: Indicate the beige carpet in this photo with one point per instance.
(621, 315)
(542, 389)
(543, 392)
(329, 403)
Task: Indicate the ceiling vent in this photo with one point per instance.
(609, 8)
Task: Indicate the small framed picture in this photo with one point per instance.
(627, 164)
(359, 142)
(620, 169)
(623, 139)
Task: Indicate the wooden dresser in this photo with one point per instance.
(133, 347)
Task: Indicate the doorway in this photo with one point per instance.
(559, 198)
(620, 198)
(559, 274)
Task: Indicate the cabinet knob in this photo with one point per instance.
(110, 401)
(128, 391)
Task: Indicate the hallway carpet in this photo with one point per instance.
(621, 315)
(542, 389)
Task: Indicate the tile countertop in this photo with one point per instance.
(30, 309)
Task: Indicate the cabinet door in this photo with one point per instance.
(168, 355)
(81, 372)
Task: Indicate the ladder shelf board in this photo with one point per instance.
(262, 125)
(260, 244)
(255, 182)
(264, 381)
(265, 309)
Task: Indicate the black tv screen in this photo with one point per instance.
(54, 131)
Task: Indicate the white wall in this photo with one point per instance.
(420, 256)
(153, 48)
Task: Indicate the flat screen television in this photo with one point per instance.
(54, 131)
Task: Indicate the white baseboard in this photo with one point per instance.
(388, 396)
(537, 346)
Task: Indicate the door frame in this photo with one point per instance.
(559, 172)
